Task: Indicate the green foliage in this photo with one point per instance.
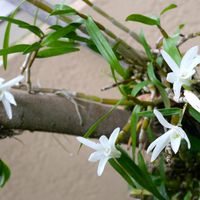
(14, 49)
(153, 21)
(60, 9)
(4, 173)
(168, 8)
(55, 51)
(158, 84)
(103, 46)
(34, 29)
(137, 88)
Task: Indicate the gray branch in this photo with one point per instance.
(52, 113)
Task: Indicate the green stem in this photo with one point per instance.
(113, 20)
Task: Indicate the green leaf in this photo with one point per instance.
(61, 9)
(49, 52)
(61, 32)
(101, 119)
(188, 196)
(138, 87)
(4, 173)
(122, 172)
(7, 38)
(195, 114)
(168, 8)
(103, 46)
(134, 121)
(146, 46)
(34, 29)
(137, 174)
(144, 19)
(169, 45)
(158, 84)
(60, 43)
(164, 111)
(14, 49)
(33, 47)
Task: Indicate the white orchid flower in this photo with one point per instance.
(5, 96)
(192, 99)
(172, 136)
(104, 150)
(183, 74)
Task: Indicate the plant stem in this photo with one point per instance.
(113, 20)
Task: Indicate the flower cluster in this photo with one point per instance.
(5, 96)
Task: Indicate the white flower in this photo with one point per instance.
(173, 136)
(104, 150)
(192, 99)
(182, 75)
(5, 96)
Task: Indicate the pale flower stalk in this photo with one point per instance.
(181, 75)
(104, 150)
(172, 136)
(5, 96)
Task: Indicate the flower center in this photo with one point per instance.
(107, 151)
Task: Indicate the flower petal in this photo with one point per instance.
(101, 166)
(10, 98)
(12, 82)
(161, 119)
(89, 143)
(192, 99)
(161, 143)
(113, 137)
(188, 58)
(7, 107)
(177, 89)
(174, 67)
(95, 156)
(175, 140)
(171, 77)
(104, 141)
(195, 62)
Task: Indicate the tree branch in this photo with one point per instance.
(52, 113)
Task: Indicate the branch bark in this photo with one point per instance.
(52, 113)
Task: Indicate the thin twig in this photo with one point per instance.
(185, 38)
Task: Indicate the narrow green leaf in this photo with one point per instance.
(122, 172)
(33, 47)
(101, 119)
(14, 49)
(144, 19)
(60, 43)
(138, 87)
(195, 114)
(169, 45)
(158, 84)
(103, 46)
(168, 8)
(50, 52)
(4, 173)
(34, 29)
(134, 121)
(146, 46)
(57, 34)
(164, 111)
(137, 174)
(61, 9)
(188, 196)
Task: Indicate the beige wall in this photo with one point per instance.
(41, 168)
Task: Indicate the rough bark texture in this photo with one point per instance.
(52, 113)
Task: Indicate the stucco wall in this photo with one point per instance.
(41, 168)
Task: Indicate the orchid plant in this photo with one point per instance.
(161, 86)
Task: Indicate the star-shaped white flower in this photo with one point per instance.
(192, 99)
(183, 74)
(172, 136)
(103, 151)
(5, 96)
